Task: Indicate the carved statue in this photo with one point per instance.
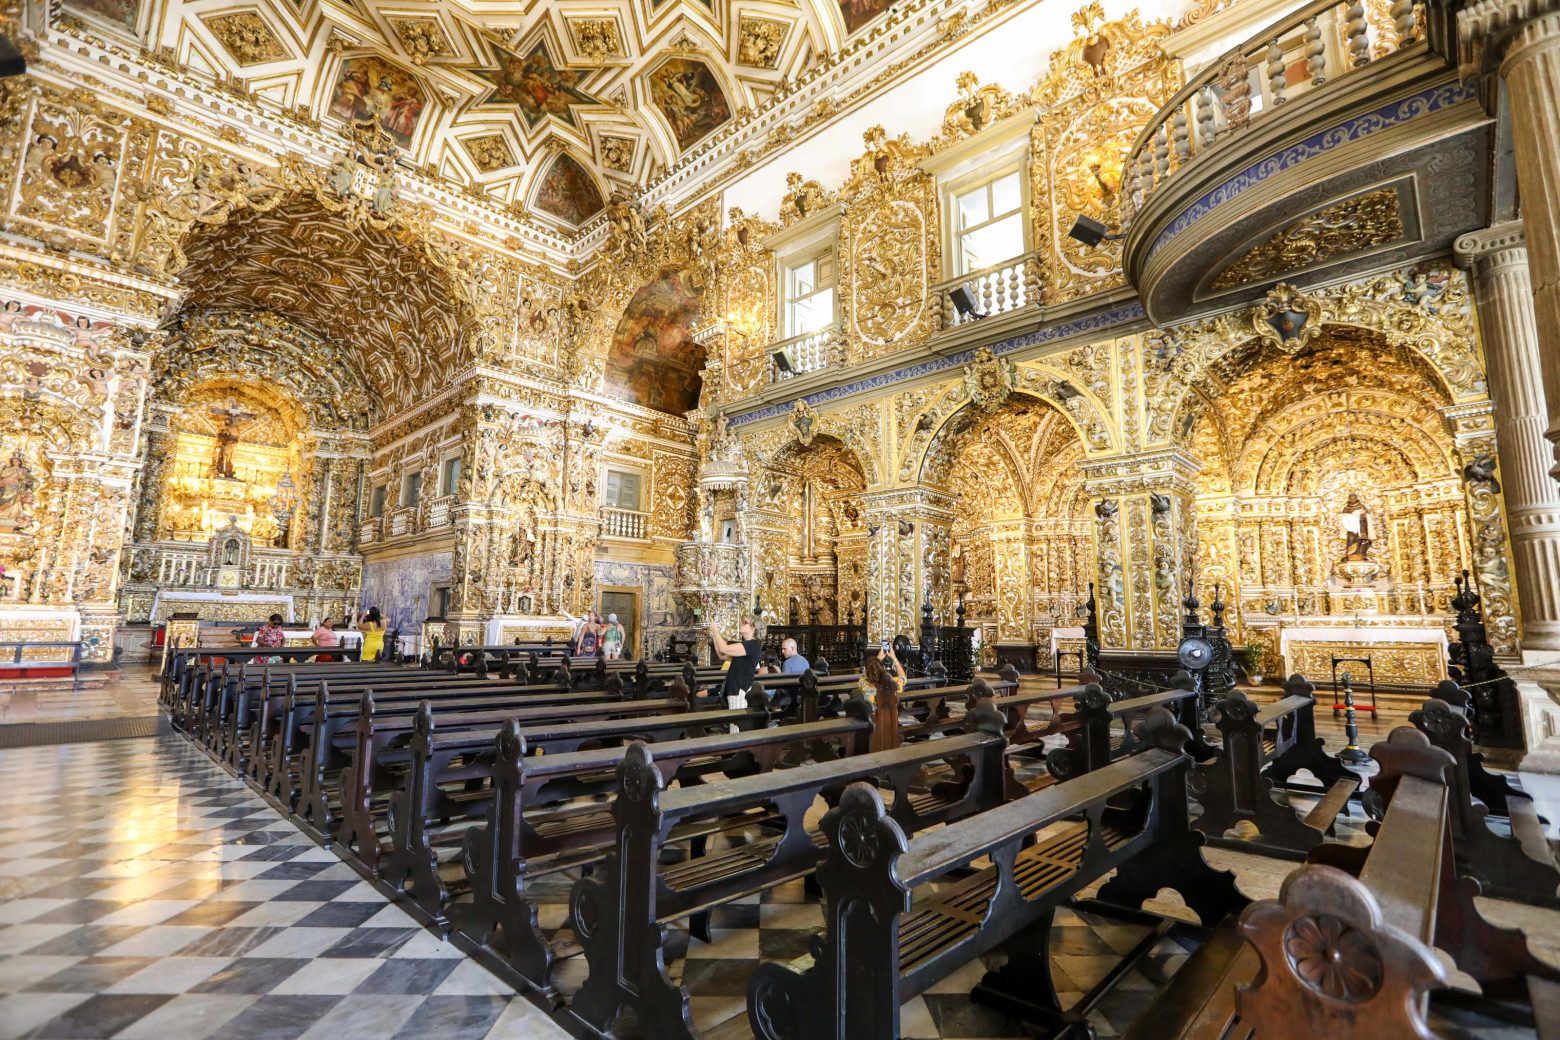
(1356, 530)
(627, 234)
(227, 437)
(16, 494)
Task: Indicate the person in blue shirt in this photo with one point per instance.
(793, 663)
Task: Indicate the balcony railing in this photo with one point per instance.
(370, 530)
(1317, 45)
(998, 289)
(439, 511)
(402, 520)
(808, 352)
(624, 523)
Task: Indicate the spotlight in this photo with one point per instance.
(783, 362)
(1090, 231)
(963, 303)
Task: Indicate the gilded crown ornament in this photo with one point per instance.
(989, 380)
(804, 423)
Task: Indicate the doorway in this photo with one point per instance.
(625, 605)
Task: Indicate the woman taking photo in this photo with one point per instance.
(372, 625)
(881, 680)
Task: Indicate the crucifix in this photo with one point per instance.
(227, 436)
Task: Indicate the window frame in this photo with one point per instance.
(411, 489)
(446, 484)
(378, 495)
(794, 262)
(1008, 164)
(640, 476)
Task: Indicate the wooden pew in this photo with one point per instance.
(1232, 787)
(1444, 719)
(311, 723)
(883, 945)
(378, 750)
(176, 669)
(413, 863)
(1354, 958)
(619, 914)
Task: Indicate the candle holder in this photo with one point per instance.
(1352, 754)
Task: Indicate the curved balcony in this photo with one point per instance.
(1305, 153)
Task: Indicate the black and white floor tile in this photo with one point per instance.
(147, 895)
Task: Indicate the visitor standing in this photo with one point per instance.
(743, 657)
(372, 625)
(590, 637)
(612, 639)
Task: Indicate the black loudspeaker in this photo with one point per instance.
(11, 61)
(963, 303)
(1088, 231)
(783, 362)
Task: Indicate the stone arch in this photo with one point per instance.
(1426, 311)
(1089, 418)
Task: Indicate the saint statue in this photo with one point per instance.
(227, 438)
(1356, 530)
(958, 564)
(16, 494)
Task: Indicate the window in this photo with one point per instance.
(376, 501)
(451, 476)
(621, 490)
(809, 293)
(411, 489)
(990, 222)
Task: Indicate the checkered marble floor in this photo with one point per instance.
(144, 893)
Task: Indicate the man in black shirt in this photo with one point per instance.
(743, 656)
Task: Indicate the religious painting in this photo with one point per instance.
(115, 12)
(653, 360)
(370, 88)
(859, 12)
(688, 94)
(535, 85)
(568, 192)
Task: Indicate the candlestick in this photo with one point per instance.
(1352, 753)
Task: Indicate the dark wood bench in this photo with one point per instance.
(428, 823)
(903, 913)
(1444, 719)
(1345, 956)
(378, 749)
(1235, 787)
(180, 661)
(618, 915)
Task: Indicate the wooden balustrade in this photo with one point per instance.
(1255, 78)
(998, 289)
(624, 523)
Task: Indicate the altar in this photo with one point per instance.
(220, 606)
(1401, 654)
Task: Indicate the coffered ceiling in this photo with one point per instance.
(490, 94)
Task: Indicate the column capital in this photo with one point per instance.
(1484, 29)
(1490, 243)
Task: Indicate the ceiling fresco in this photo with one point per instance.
(535, 86)
(626, 87)
(568, 192)
(690, 97)
(654, 360)
(370, 88)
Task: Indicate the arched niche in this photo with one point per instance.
(1290, 442)
(809, 526)
(1021, 540)
(653, 360)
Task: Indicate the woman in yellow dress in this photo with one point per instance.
(372, 625)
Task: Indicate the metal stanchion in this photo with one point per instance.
(1352, 753)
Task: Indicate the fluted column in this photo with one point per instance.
(1503, 287)
(1521, 39)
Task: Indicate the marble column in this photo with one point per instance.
(1498, 259)
(1520, 39)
